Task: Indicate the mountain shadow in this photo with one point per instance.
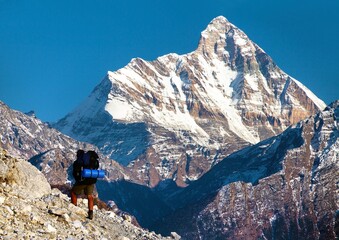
(248, 165)
(138, 200)
(156, 211)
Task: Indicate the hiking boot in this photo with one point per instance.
(90, 214)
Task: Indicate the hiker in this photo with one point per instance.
(84, 160)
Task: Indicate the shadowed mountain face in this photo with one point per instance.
(140, 201)
(282, 188)
(148, 205)
(177, 116)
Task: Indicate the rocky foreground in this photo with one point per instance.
(30, 209)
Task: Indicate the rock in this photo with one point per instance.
(26, 210)
(85, 201)
(77, 211)
(175, 236)
(56, 192)
(9, 210)
(3, 169)
(77, 224)
(123, 238)
(27, 181)
(111, 215)
(57, 211)
(66, 217)
(36, 219)
(127, 218)
(50, 228)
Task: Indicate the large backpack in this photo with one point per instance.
(89, 160)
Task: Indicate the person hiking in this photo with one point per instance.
(88, 160)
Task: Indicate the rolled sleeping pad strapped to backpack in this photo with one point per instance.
(93, 173)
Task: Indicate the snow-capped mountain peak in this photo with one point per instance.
(194, 108)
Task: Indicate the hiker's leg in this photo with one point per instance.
(89, 192)
(74, 198)
(76, 190)
(90, 206)
(90, 202)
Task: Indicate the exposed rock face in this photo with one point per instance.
(46, 148)
(22, 178)
(29, 209)
(285, 187)
(175, 117)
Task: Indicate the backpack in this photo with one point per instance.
(88, 160)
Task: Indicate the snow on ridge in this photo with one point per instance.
(221, 98)
(173, 120)
(240, 40)
(121, 110)
(129, 110)
(217, 79)
(319, 103)
(165, 57)
(126, 76)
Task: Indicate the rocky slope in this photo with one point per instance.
(30, 209)
(53, 153)
(50, 151)
(285, 187)
(177, 116)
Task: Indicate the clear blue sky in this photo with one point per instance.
(53, 53)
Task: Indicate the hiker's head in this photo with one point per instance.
(80, 153)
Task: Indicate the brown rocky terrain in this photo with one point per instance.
(30, 209)
(283, 188)
(46, 148)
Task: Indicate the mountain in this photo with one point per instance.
(26, 137)
(285, 187)
(30, 209)
(177, 116)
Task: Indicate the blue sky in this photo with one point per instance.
(53, 53)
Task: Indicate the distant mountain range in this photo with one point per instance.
(218, 143)
(285, 187)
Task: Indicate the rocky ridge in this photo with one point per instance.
(179, 115)
(52, 152)
(30, 209)
(285, 187)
